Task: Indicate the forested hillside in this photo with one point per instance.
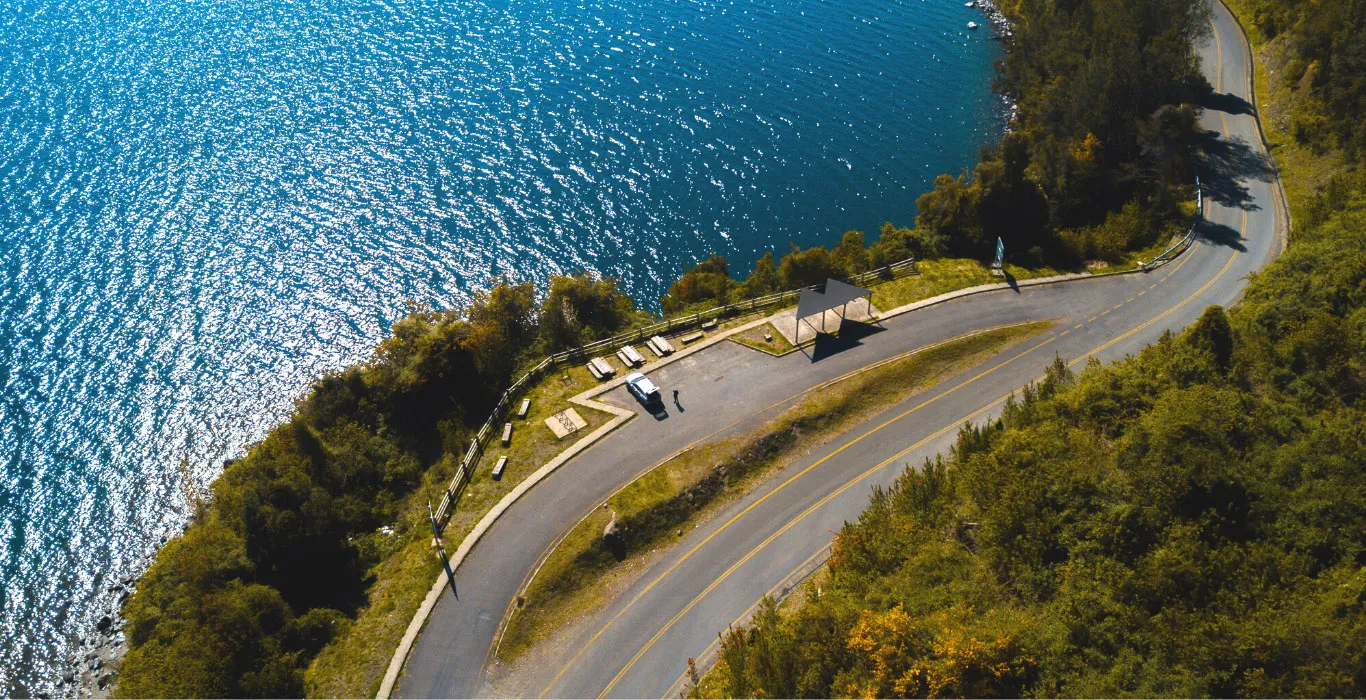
(1188, 522)
(1325, 65)
(1096, 158)
(278, 559)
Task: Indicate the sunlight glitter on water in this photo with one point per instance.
(205, 204)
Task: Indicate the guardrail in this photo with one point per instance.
(607, 345)
(1180, 246)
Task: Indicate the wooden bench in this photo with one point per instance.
(708, 325)
(654, 348)
(625, 359)
(600, 370)
(499, 466)
(507, 434)
(692, 338)
(604, 367)
(633, 355)
(526, 406)
(662, 345)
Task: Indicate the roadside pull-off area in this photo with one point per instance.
(638, 644)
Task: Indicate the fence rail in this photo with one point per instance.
(1180, 246)
(673, 325)
(583, 352)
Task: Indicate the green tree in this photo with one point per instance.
(850, 255)
(804, 268)
(582, 309)
(707, 282)
(764, 279)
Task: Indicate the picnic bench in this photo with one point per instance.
(692, 338)
(507, 434)
(633, 355)
(625, 359)
(600, 369)
(499, 466)
(526, 406)
(662, 345)
(708, 325)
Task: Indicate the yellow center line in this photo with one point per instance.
(770, 494)
(540, 560)
(1079, 325)
(790, 524)
(1219, 63)
(675, 688)
(691, 604)
(578, 654)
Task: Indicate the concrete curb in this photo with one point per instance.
(466, 545)
(999, 286)
(1287, 222)
(621, 416)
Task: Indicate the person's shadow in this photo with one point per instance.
(678, 404)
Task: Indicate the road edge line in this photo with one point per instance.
(1285, 221)
(400, 657)
(522, 588)
(405, 646)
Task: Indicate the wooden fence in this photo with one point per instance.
(609, 345)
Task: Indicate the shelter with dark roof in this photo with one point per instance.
(837, 295)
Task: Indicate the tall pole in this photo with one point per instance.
(441, 551)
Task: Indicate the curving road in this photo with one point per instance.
(639, 644)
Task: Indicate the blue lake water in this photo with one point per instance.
(206, 203)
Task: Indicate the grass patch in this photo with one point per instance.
(943, 275)
(654, 510)
(775, 344)
(353, 664)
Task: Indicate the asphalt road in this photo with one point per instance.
(638, 646)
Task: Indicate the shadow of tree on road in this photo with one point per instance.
(1227, 164)
(1220, 235)
(1227, 102)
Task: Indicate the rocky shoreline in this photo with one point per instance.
(999, 24)
(1001, 30)
(91, 669)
